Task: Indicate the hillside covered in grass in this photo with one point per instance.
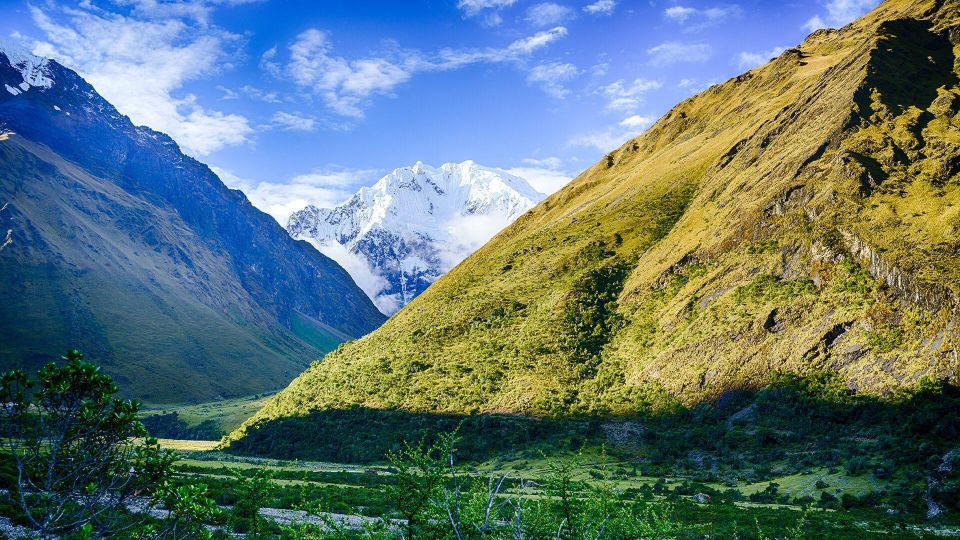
(803, 217)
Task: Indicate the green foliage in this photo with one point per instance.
(251, 492)
(885, 339)
(851, 278)
(189, 508)
(74, 447)
(171, 426)
(770, 288)
(361, 435)
(591, 316)
(419, 472)
(78, 458)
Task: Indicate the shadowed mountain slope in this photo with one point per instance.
(122, 246)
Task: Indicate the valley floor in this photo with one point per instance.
(355, 496)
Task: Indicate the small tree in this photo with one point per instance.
(188, 507)
(251, 494)
(78, 452)
(418, 482)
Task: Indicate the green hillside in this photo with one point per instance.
(802, 217)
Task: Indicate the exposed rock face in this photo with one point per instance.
(126, 248)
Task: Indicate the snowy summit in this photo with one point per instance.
(34, 70)
(416, 223)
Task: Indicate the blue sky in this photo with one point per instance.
(298, 101)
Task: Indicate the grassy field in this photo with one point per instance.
(363, 491)
(188, 446)
(227, 414)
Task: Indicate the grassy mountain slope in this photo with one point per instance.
(121, 285)
(801, 217)
(138, 255)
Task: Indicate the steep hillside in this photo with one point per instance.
(122, 246)
(804, 216)
(414, 225)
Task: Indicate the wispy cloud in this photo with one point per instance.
(347, 85)
(601, 7)
(674, 52)
(694, 86)
(548, 14)
(487, 11)
(610, 139)
(552, 78)
(363, 274)
(696, 19)
(344, 84)
(626, 96)
(749, 60)
(636, 122)
(293, 122)
(197, 10)
(141, 61)
(323, 187)
(839, 13)
(546, 175)
(266, 96)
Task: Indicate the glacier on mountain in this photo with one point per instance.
(415, 224)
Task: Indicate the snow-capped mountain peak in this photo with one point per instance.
(33, 69)
(414, 224)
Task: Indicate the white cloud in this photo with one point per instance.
(599, 70)
(673, 52)
(369, 281)
(467, 234)
(347, 86)
(636, 122)
(141, 62)
(546, 175)
(551, 162)
(627, 97)
(548, 14)
(487, 10)
(680, 13)
(530, 44)
(749, 60)
(324, 188)
(472, 8)
(198, 10)
(839, 13)
(266, 96)
(343, 84)
(228, 94)
(601, 7)
(693, 86)
(695, 19)
(552, 77)
(610, 139)
(293, 122)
